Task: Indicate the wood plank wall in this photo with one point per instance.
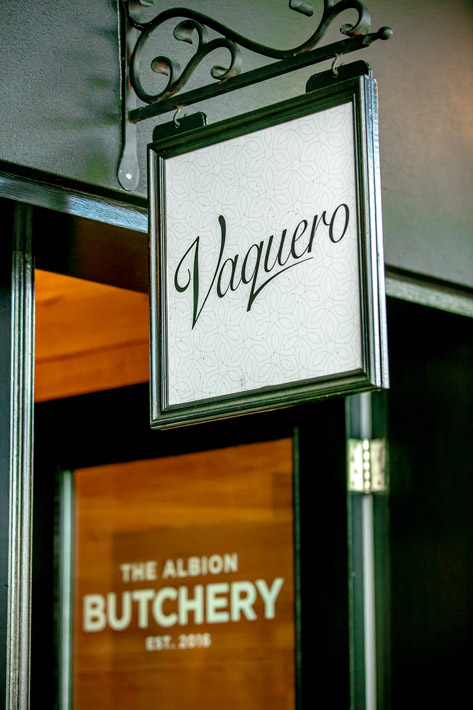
(89, 337)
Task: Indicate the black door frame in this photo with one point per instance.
(80, 431)
(16, 436)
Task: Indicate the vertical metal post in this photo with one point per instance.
(369, 602)
(368, 551)
(16, 438)
(369, 626)
(66, 545)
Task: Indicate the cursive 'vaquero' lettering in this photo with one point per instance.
(263, 262)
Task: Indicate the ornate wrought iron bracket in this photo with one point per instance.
(139, 63)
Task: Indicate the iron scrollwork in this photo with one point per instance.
(193, 28)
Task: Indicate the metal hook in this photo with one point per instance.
(334, 65)
(175, 121)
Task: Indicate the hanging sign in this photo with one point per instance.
(266, 258)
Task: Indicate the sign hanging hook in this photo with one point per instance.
(175, 117)
(335, 65)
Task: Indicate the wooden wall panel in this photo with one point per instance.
(89, 337)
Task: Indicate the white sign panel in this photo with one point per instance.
(263, 258)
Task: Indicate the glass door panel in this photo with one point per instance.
(183, 582)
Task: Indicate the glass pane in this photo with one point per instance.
(183, 582)
(89, 337)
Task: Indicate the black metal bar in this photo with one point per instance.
(16, 462)
(330, 51)
(197, 21)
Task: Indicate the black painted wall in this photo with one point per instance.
(431, 499)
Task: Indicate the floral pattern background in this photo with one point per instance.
(306, 322)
